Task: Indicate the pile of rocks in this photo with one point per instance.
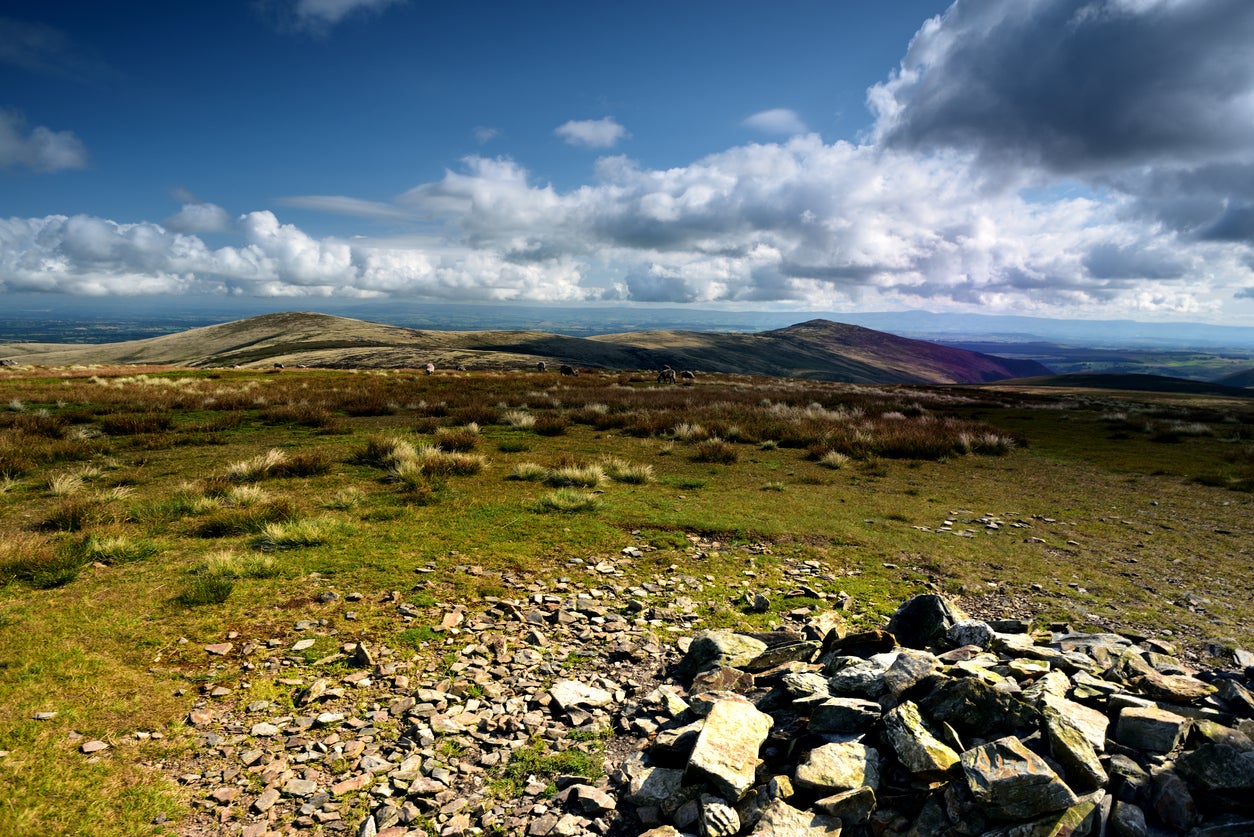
(936, 724)
(942, 725)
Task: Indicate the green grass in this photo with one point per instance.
(212, 533)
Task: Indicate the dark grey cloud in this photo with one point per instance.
(1078, 86)
(1109, 260)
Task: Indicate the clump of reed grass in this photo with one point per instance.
(225, 522)
(620, 470)
(115, 549)
(528, 472)
(256, 468)
(346, 499)
(518, 418)
(295, 534)
(37, 561)
(834, 459)
(583, 476)
(568, 501)
(457, 439)
(715, 450)
(550, 425)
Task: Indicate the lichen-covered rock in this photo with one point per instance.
(840, 766)
(1221, 769)
(978, 710)
(1071, 749)
(1150, 728)
(726, 752)
(715, 649)
(851, 807)
(858, 677)
(779, 819)
(1010, 782)
(909, 669)
(918, 750)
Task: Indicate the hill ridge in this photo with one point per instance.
(816, 349)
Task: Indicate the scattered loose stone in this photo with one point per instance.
(949, 726)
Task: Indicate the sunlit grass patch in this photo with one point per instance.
(256, 468)
(834, 459)
(521, 419)
(346, 499)
(247, 520)
(583, 476)
(65, 484)
(687, 432)
(620, 470)
(295, 534)
(528, 472)
(568, 501)
(116, 549)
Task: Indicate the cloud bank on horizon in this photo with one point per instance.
(1051, 157)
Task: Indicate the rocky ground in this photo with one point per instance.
(587, 707)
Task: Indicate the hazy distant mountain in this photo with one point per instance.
(818, 350)
(92, 320)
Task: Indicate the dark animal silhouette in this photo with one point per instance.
(569, 370)
(687, 376)
(541, 366)
(667, 375)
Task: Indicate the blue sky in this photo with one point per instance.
(1068, 158)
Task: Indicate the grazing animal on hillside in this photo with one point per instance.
(687, 376)
(667, 375)
(461, 367)
(541, 366)
(278, 366)
(569, 370)
(430, 368)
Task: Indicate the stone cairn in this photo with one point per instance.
(936, 724)
(942, 725)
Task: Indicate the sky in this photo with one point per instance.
(1085, 159)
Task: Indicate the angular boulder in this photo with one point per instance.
(840, 766)
(726, 753)
(918, 750)
(924, 620)
(1010, 782)
(1150, 728)
(719, 649)
(779, 819)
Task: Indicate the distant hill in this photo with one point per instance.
(1237, 379)
(1135, 383)
(818, 350)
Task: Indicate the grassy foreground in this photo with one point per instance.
(145, 513)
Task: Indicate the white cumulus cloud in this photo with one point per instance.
(197, 217)
(778, 121)
(38, 148)
(592, 133)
